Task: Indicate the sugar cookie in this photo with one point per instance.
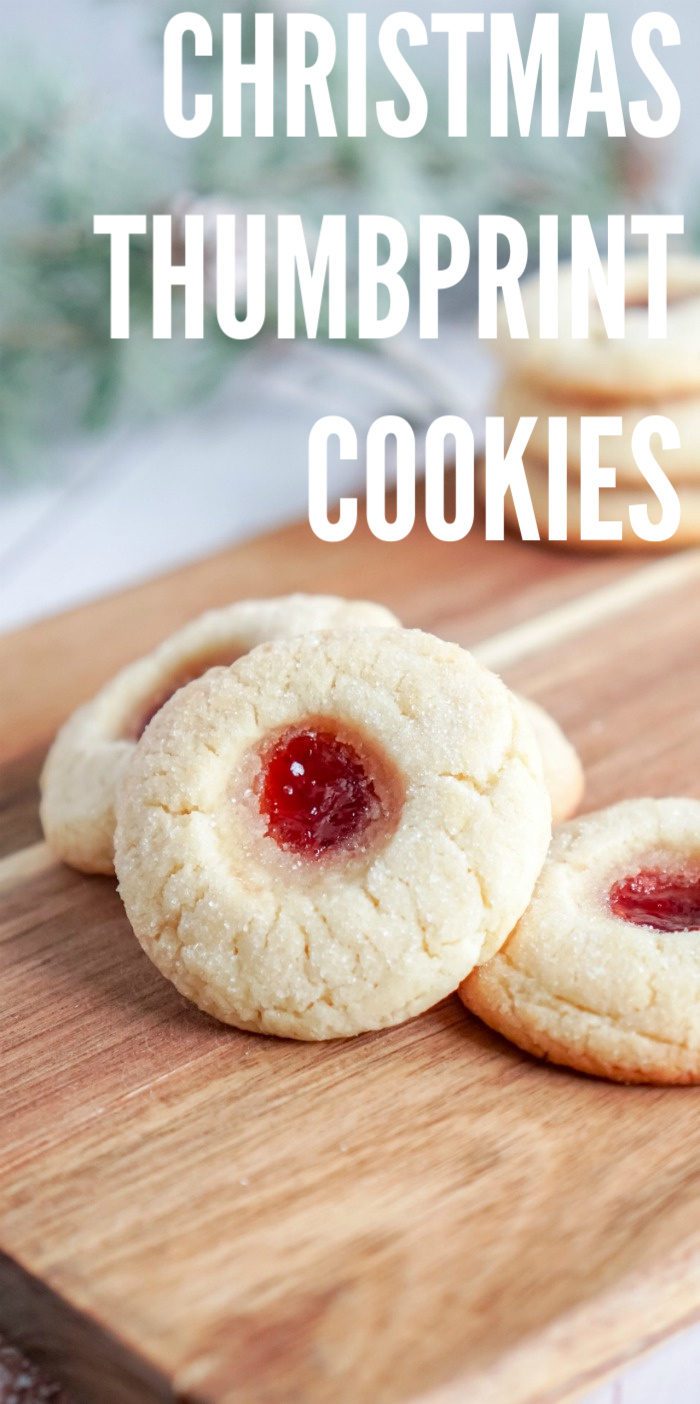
(88, 756)
(325, 837)
(602, 973)
(518, 398)
(563, 772)
(631, 368)
(615, 506)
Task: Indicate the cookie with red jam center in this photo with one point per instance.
(602, 973)
(85, 763)
(326, 837)
(316, 793)
(666, 898)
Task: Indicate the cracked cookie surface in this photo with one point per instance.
(581, 985)
(88, 757)
(379, 928)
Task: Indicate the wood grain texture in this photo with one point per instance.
(19, 801)
(424, 1214)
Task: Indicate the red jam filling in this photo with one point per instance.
(316, 793)
(666, 901)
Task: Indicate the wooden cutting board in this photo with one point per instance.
(425, 1214)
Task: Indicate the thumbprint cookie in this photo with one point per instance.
(563, 772)
(326, 837)
(608, 369)
(636, 509)
(85, 763)
(602, 973)
(518, 399)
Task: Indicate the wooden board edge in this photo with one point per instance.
(578, 1351)
(22, 864)
(73, 1348)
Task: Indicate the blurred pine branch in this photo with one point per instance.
(61, 161)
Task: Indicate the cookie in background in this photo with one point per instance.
(627, 380)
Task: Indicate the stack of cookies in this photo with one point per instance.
(323, 823)
(630, 379)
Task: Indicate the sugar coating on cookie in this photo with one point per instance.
(602, 973)
(85, 763)
(563, 772)
(325, 837)
(608, 369)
